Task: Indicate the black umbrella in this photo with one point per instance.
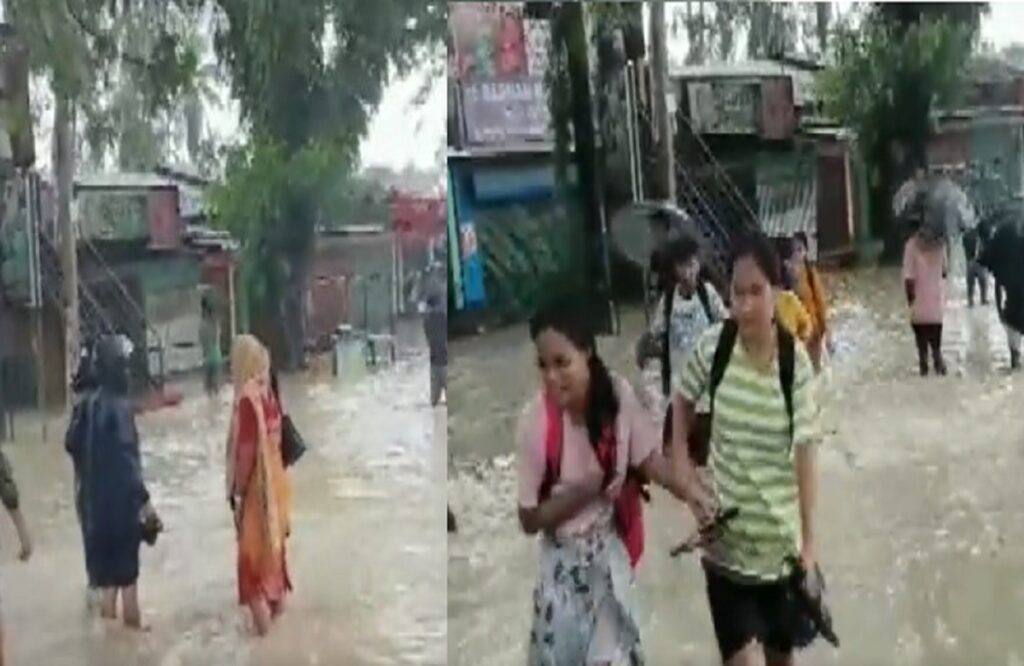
(640, 228)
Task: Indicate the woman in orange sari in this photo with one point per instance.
(257, 485)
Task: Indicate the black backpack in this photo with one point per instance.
(699, 443)
(787, 366)
(666, 354)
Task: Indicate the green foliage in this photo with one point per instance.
(262, 181)
(308, 75)
(78, 42)
(890, 75)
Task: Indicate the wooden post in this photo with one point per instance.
(64, 165)
(233, 313)
(665, 180)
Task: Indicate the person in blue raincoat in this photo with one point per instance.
(115, 505)
(83, 385)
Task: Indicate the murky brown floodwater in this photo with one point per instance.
(921, 518)
(367, 552)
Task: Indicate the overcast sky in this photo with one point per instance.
(402, 133)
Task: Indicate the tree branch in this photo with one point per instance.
(96, 35)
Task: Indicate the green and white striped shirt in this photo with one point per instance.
(751, 461)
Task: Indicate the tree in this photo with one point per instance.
(890, 75)
(773, 29)
(73, 42)
(664, 181)
(308, 74)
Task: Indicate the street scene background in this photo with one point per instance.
(367, 553)
(919, 521)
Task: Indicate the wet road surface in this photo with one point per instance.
(367, 553)
(920, 520)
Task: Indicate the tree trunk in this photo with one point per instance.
(823, 14)
(664, 182)
(596, 260)
(64, 167)
(760, 27)
(193, 126)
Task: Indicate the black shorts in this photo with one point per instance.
(742, 613)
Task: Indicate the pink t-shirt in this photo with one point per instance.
(925, 265)
(637, 436)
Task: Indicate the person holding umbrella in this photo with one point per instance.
(1003, 256)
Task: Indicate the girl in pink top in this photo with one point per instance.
(583, 612)
(924, 278)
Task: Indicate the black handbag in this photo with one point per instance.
(293, 446)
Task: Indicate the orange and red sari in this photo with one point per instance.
(264, 510)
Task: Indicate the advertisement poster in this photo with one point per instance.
(504, 99)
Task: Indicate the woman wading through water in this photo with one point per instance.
(762, 461)
(582, 442)
(258, 489)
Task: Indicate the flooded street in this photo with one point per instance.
(367, 551)
(921, 512)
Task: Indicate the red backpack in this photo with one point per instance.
(629, 522)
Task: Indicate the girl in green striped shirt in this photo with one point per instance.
(761, 463)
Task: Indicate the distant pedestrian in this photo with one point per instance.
(924, 279)
(811, 290)
(977, 276)
(209, 343)
(789, 308)
(435, 326)
(1003, 255)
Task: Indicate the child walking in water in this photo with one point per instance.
(924, 279)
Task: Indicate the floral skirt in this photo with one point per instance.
(583, 604)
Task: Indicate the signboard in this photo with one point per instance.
(113, 215)
(499, 60)
(498, 112)
(489, 40)
(19, 241)
(727, 106)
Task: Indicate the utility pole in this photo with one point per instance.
(64, 160)
(664, 181)
(572, 29)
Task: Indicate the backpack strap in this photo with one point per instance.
(720, 361)
(552, 445)
(787, 371)
(787, 367)
(666, 352)
(705, 300)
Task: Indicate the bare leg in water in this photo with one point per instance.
(260, 616)
(129, 605)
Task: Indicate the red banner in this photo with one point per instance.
(419, 215)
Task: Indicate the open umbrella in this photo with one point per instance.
(639, 229)
(938, 203)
